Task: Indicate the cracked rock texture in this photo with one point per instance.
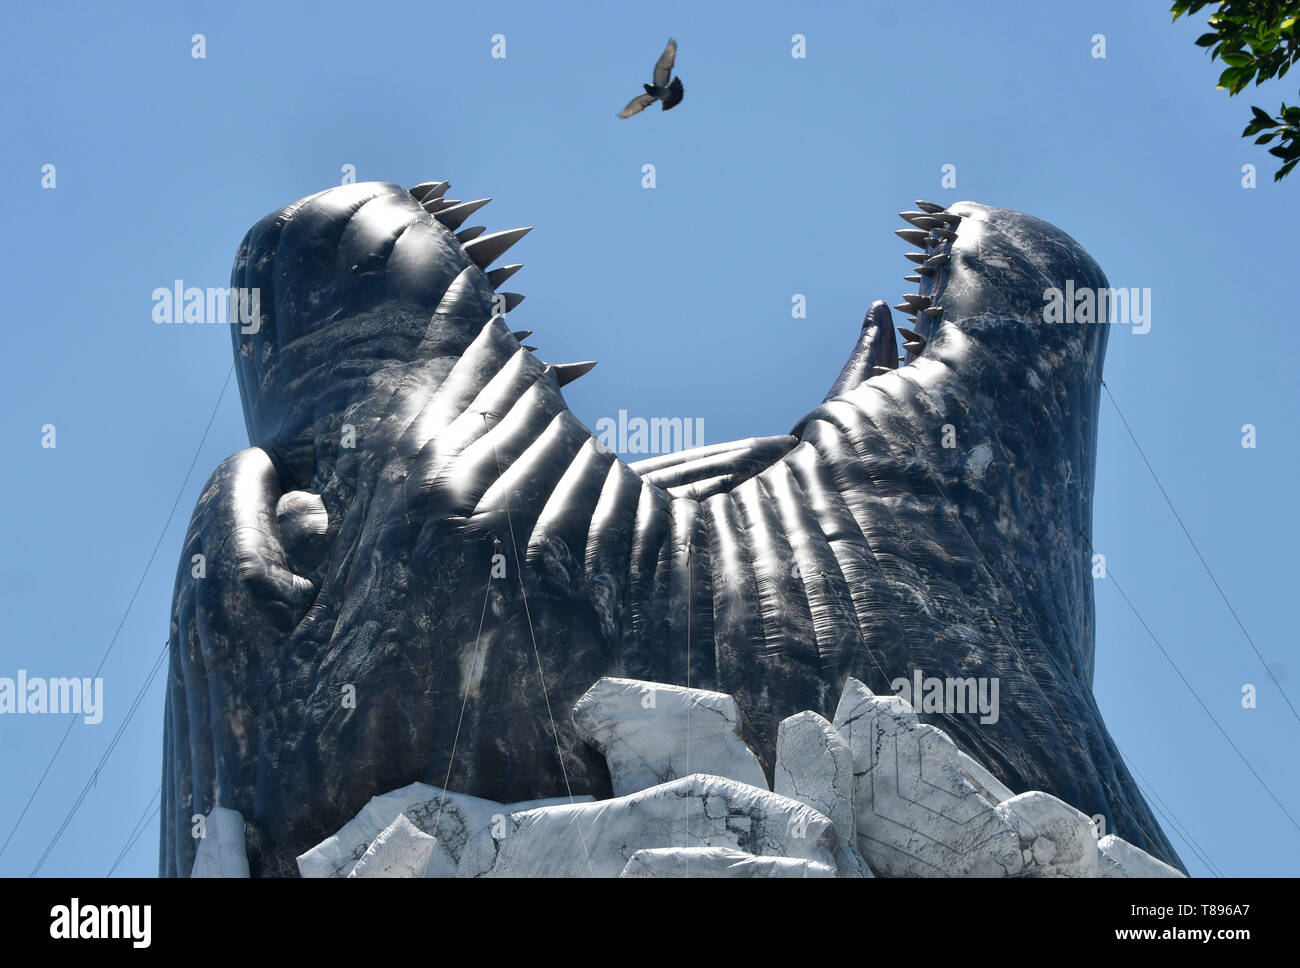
(1055, 839)
(814, 765)
(402, 850)
(651, 733)
(877, 793)
(718, 862)
(917, 815)
(450, 818)
(598, 839)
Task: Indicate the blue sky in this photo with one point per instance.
(775, 176)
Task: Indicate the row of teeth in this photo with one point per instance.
(934, 231)
(483, 250)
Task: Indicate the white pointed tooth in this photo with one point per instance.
(937, 260)
(432, 189)
(877, 370)
(512, 299)
(925, 270)
(930, 207)
(916, 299)
(947, 235)
(913, 347)
(473, 232)
(568, 372)
(933, 311)
(912, 278)
(914, 236)
(952, 218)
(910, 334)
(522, 334)
(453, 216)
(530, 349)
(903, 307)
(488, 248)
(917, 257)
(498, 276)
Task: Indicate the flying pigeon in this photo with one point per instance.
(660, 90)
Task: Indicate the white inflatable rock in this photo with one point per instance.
(880, 780)
(402, 850)
(1118, 858)
(814, 765)
(452, 819)
(1055, 839)
(916, 813)
(718, 862)
(222, 851)
(598, 839)
(989, 786)
(651, 733)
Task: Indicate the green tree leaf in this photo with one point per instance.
(1257, 40)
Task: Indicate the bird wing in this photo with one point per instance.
(664, 67)
(637, 105)
(675, 94)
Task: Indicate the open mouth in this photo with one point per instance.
(416, 480)
(933, 230)
(700, 472)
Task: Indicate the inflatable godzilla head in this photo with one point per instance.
(425, 558)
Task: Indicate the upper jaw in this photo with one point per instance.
(990, 266)
(357, 283)
(932, 231)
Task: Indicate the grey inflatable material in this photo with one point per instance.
(406, 447)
